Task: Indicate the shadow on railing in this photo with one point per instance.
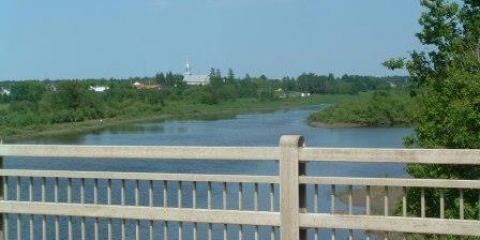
(67, 204)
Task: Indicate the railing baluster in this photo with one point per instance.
(194, 233)
(256, 232)
(44, 227)
(137, 193)
(422, 202)
(95, 229)
(82, 191)
(240, 232)
(209, 234)
(31, 227)
(404, 201)
(224, 195)
(240, 196)
(180, 231)
(255, 197)
(462, 211)
(55, 191)
(165, 230)
(44, 183)
(350, 208)
(57, 228)
(19, 227)
(194, 195)
(122, 192)
(124, 236)
(272, 197)
(95, 191)
(332, 209)
(150, 229)
(30, 189)
(442, 204)
(224, 231)
(82, 226)
(367, 200)
(150, 193)
(368, 196)
(5, 197)
(137, 229)
(350, 199)
(18, 188)
(179, 194)
(69, 190)
(316, 207)
(109, 229)
(70, 228)
(109, 191)
(385, 202)
(165, 194)
(332, 200)
(209, 195)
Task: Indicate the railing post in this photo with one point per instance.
(292, 199)
(2, 196)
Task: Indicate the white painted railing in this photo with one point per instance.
(52, 204)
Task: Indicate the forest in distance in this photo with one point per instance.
(35, 105)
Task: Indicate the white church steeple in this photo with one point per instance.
(187, 69)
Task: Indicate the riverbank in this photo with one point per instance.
(372, 109)
(176, 110)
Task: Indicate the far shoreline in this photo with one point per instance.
(99, 124)
(356, 125)
(335, 125)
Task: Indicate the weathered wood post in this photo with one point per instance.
(292, 195)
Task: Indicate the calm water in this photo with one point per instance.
(258, 129)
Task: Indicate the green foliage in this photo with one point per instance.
(36, 105)
(380, 108)
(446, 82)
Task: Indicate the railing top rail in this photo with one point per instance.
(365, 155)
(141, 152)
(374, 155)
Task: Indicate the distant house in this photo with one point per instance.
(141, 86)
(193, 79)
(98, 88)
(4, 92)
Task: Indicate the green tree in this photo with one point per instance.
(446, 82)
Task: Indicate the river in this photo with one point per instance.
(254, 129)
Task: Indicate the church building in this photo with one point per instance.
(193, 79)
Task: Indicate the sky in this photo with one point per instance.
(77, 39)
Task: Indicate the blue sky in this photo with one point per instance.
(60, 39)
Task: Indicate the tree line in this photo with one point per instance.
(32, 103)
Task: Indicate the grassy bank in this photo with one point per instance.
(379, 108)
(173, 110)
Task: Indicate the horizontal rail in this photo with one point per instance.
(141, 152)
(143, 213)
(393, 182)
(392, 224)
(428, 156)
(139, 176)
(366, 155)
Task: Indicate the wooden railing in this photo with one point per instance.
(67, 204)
